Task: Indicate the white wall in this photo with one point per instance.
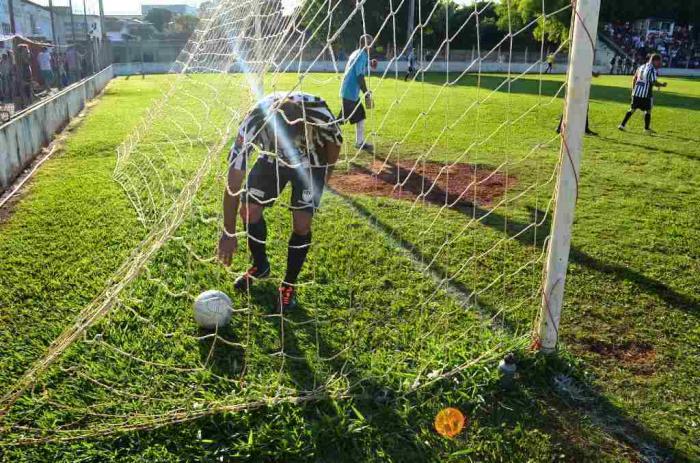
(22, 138)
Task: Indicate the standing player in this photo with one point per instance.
(645, 79)
(299, 142)
(411, 65)
(550, 64)
(353, 82)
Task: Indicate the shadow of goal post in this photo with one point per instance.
(580, 73)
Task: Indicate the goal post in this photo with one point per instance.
(580, 73)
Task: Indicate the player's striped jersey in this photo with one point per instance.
(257, 130)
(645, 78)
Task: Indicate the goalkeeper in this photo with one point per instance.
(299, 143)
(353, 82)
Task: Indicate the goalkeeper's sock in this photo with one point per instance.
(298, 250)
(360, 133)
(647, 121)
(257, 236)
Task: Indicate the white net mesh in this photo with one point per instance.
(427, 255)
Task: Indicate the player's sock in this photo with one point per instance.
(296, 256)
(627, 118)
(257, 237)
(360, 133)
(647, 121)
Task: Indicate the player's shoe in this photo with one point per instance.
(366, 147)
(287, 298)
(649, 131)
(245, 281)
(621, 127)
(591, 133)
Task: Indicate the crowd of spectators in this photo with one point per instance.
(30, 72)
(677, 49)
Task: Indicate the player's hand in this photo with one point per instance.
(369, 101)
(228, 246)
(374, 64)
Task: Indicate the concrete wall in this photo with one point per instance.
(22, 138)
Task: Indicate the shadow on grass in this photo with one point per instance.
(652, 149)
(531, 86)
(590, 402)
(535, 236)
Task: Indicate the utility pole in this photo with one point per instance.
(88, 42)
(411, 23)
(53, 24)
(103, 58)
(72, 20)
(13, 26)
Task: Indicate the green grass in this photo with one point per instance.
(369, 318)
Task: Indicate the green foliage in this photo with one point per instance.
(159, 17)
(186, 23)
(513, 15)
(441, 19)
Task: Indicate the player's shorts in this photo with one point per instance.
(643, 104)
(268, 178)
(352, 112)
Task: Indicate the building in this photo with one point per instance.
(34, 21)
(176, 9)
(31, 20)
(86, 27)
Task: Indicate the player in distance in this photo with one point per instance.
(645, 79)
(299, 142)
(353, 82)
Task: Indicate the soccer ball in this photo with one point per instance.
(213, 309)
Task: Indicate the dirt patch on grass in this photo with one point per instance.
(639, 356)
(454, 185)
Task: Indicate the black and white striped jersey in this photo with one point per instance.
(645, 78)
(258, 130)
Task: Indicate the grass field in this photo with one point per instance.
(390, 344)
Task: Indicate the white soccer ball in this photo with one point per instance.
(213, 309)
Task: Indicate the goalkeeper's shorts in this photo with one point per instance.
(268, 178)
(352, 112)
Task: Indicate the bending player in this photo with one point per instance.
(353, 82)
(645, 79)
(299, 142)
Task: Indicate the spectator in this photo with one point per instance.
(6, 66)
(46, 68)
(24, 93)
(73, 65)
(676, 49)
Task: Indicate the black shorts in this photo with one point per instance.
(267, 179)
(643, 104)
(352, 112)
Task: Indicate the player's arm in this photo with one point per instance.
(228, 244)
(658, 84)
(332, 152)
(363, 84)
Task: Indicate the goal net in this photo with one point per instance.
(427, 255)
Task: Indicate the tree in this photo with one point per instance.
(516, 14)
(159, 17)
(186, 23)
